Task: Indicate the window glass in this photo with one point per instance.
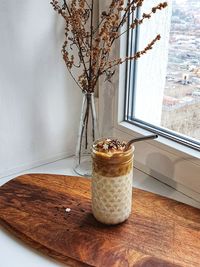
(166, 87)
(181, 101)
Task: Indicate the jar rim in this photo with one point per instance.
(112, 157)
(131, 148)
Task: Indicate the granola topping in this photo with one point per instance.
(109, 146)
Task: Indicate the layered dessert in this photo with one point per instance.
(111, 180)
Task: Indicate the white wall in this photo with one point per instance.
(39, 102)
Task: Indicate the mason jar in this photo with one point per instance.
(112, 184)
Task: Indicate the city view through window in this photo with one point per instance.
(181, 101)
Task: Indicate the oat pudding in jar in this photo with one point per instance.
(111, 180)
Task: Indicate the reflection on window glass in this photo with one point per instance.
(181, 101)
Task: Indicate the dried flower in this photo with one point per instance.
(89, 48)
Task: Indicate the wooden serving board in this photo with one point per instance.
(160, 231)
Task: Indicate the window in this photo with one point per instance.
(163, 87)
(170, 162)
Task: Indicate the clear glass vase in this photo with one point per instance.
(88, 133)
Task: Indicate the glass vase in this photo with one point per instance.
(88, 133)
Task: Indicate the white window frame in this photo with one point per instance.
(164, 159)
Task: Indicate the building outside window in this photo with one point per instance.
(163, 87)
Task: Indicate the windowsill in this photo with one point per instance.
(141, 180)
(165, 160)
(163, 143)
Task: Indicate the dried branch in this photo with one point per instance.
(137, 22)
(91, 35)
(93, 46)
(137, 55)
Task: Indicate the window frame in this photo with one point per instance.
(185, 161)
(130, 92)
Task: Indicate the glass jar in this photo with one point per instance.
(112, 185)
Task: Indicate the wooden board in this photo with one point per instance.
(159, 232)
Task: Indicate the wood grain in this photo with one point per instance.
(160, 232)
